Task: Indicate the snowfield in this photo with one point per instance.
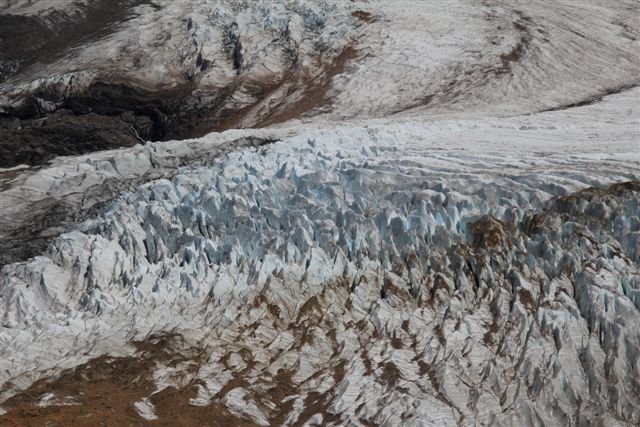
(458, 254)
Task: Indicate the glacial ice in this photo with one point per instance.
(539, 278)
(444, 262)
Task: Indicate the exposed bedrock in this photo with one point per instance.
(103, 116)
(161, 71)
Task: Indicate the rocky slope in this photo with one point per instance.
(97, 75)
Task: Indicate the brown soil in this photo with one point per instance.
(527, 300)
(314, 91)
(517, 53)
(489, 232)
(363, 16)
(104, 390)
(390, 374)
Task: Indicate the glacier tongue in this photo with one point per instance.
(392, 281)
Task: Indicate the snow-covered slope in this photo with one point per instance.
(493, 57)
(412, 250)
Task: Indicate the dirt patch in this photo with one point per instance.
(283, 387)
(314, 92)
(103, 392)
(428, 370)
(517, 53)
(494, 327)
(621, 188)
(308, 309)
(489, 233)
(390, 375)
(439, 334)
(366, 361)
(318, 403)
(363, 16)
(534, 223)
(396, 342)
(527, 301)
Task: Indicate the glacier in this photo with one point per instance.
(488, 290)
(440, 228)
